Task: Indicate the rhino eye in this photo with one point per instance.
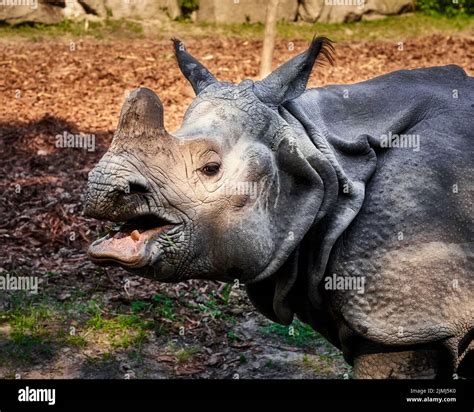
(211, 169)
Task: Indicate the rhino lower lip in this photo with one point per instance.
(129, 244)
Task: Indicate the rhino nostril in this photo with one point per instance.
(137, 188)
(137, 185)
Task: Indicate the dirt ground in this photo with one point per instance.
(104, 323)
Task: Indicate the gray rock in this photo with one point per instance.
(33, 12)
(143, 9)
(241, 11)
(341, 11)
(73, 10)
(53, 12)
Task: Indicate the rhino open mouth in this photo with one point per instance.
(129, 244)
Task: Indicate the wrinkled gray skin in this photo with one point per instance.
(318, 196)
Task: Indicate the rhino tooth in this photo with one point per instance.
(135, 235)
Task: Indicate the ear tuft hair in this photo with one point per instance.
(323, 49)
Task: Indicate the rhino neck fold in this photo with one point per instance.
(294, 288)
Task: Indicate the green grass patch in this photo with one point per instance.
(138, 306)
(164, 307)
(391, 28)
(27, 349)
(211, 308)
(31, 337)
(75, 340)
(136, 356)
(207, 304)
(226, 291)
(99, 30)
(232, 336)
(185, 354)
(34, 327)
(121, 331)
(32, 319)
(297, 333)
(325, 364)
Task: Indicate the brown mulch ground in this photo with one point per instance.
(47, 88)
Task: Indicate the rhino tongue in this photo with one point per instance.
(127, 247)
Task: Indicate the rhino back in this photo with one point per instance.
(412, 241)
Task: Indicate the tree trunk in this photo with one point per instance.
(269, 39)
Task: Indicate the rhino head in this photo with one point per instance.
(230, 195)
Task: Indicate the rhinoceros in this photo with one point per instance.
(347, 206)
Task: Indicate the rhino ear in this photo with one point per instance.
(192, 69)
(290, 79)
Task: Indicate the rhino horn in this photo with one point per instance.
(290, 79)
(142, 113)
(192, 69)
